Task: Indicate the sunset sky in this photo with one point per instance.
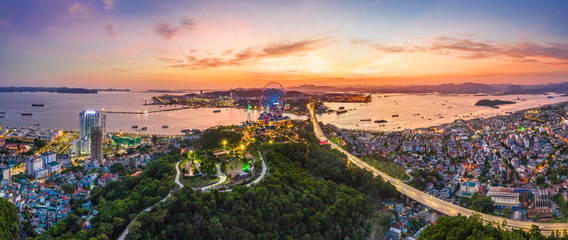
(220, 44)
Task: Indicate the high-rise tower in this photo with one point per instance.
(88, 120)
(97, 145)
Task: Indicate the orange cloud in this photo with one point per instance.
(249, 54)
(523, 51)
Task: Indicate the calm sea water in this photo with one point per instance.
(61, 111)
(433, 109)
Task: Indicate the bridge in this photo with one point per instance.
(437, 204)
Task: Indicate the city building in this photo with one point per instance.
(41, 173)
(33, 164)
(6, 174)
(53, 167)
(97, 145)
(542, 199)
(48, 157)
(467, 189)
(81, 146)
(504, 197)
(88, 120)
(65, 161)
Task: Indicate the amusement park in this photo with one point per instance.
(273, 101)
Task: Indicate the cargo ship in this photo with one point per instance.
(216, 111)
(365, 120)
(27, 114)
(37, 105)
(380, 121)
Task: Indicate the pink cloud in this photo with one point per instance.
(109, 4)
(521, 51)
(80, 11)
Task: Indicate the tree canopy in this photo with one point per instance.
(9, 228)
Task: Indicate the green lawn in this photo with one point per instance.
(197, 181)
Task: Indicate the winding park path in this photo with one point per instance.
(437, 204)
(262, 173)
(148, 209)
(178, 182)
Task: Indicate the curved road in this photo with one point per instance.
(262, 173)
(148, 209)
(432, 202)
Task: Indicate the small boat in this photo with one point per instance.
(395, 115)
(417, 114)
(2, 112)
(550, 97)
(165, 126)
(144, 128)
(341, 111)
(135, 126)
(36, 124)
(441, 116)
(365, 120)
(1, 116)
(27, 114)
(37, 105)
(341, 108)
(216, 111)
(380, 121)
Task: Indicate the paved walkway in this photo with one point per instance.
(148, 209)
(208, 188)
(262, 173)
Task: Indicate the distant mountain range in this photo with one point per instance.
(464, 88)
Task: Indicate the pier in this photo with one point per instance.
(150, 112)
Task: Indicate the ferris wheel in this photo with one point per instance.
(273, 98)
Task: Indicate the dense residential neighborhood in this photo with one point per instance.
(519, 160)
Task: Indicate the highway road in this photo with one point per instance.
(430, 201)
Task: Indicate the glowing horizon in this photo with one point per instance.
(229, 44)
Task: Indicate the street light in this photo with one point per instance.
(224, 143)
